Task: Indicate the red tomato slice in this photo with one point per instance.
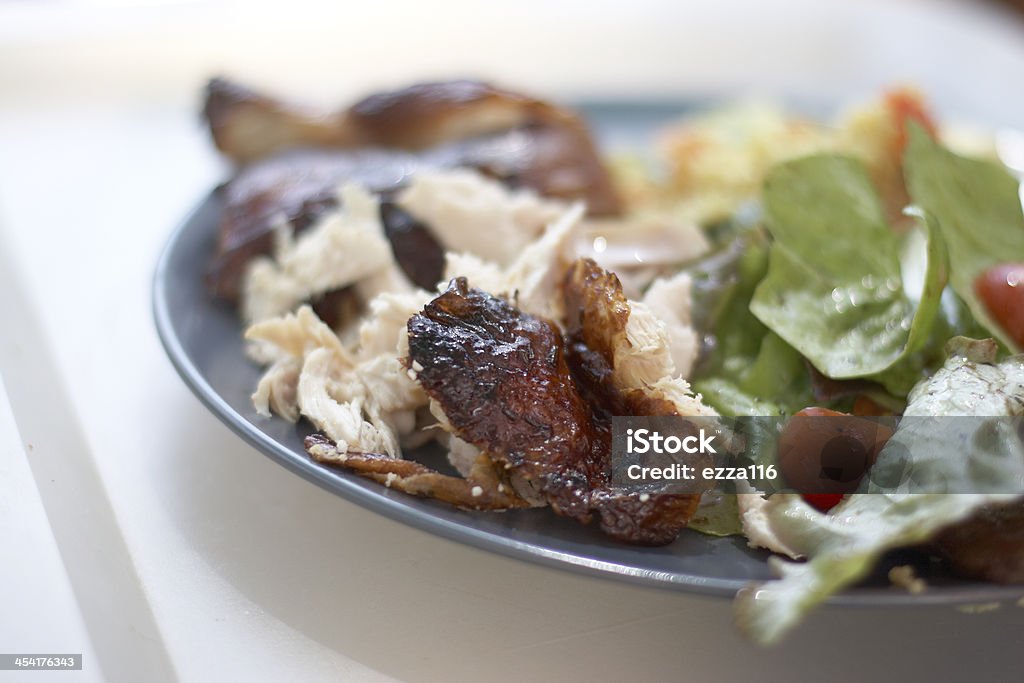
(1001, 289)
(822, 501)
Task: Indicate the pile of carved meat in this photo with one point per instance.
(451, 263)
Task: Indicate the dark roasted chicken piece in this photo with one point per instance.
(504, 382)
(380, 142)
(502, 379)
(249, 126)
(597, 312)
(301, 186)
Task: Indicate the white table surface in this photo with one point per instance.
(138, 530)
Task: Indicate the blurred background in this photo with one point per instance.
(160, 51)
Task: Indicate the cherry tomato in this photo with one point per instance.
(822, 502)
(906, 105)
(1001, 289)
(824, 454)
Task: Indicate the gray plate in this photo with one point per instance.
(203, 339)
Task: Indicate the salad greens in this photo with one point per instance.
(834, 288)
(839, 287)
(977, 205)
(751, 371)
(829, 282)
(843, 546)
(718, 515)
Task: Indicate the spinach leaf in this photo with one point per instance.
(834, 289)
(747, 369)
(977, 205)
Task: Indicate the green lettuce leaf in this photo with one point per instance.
(843, 546)
(750, 370)
(834, 290)
(774, 382)
(923, 263)
(977, 205)
(723, 285)
(717, 515)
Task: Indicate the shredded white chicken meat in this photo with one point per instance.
(639, 248)
(321, 259)
(644, 358)
(531, 280)
(362, 398)
(470, 213)
(669, 299)
(277, 391)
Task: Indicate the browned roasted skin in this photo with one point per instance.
(553, 152)
(338, 306)
(294, 160)
(503, 381)
(596, 308)
(429, 114)
(416, 251)
(295, 187)
(299, 187)
(481, 490)
(989, 546)
(596, 315)
(597, 311)
(247, 125)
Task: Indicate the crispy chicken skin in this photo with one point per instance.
(481, 490)
(247, 125)
(504, 382)
(501, 378)
(520, 140)
(989, 546)
(293, 160)
(430, 114)
(296, 187)
(597, 312)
